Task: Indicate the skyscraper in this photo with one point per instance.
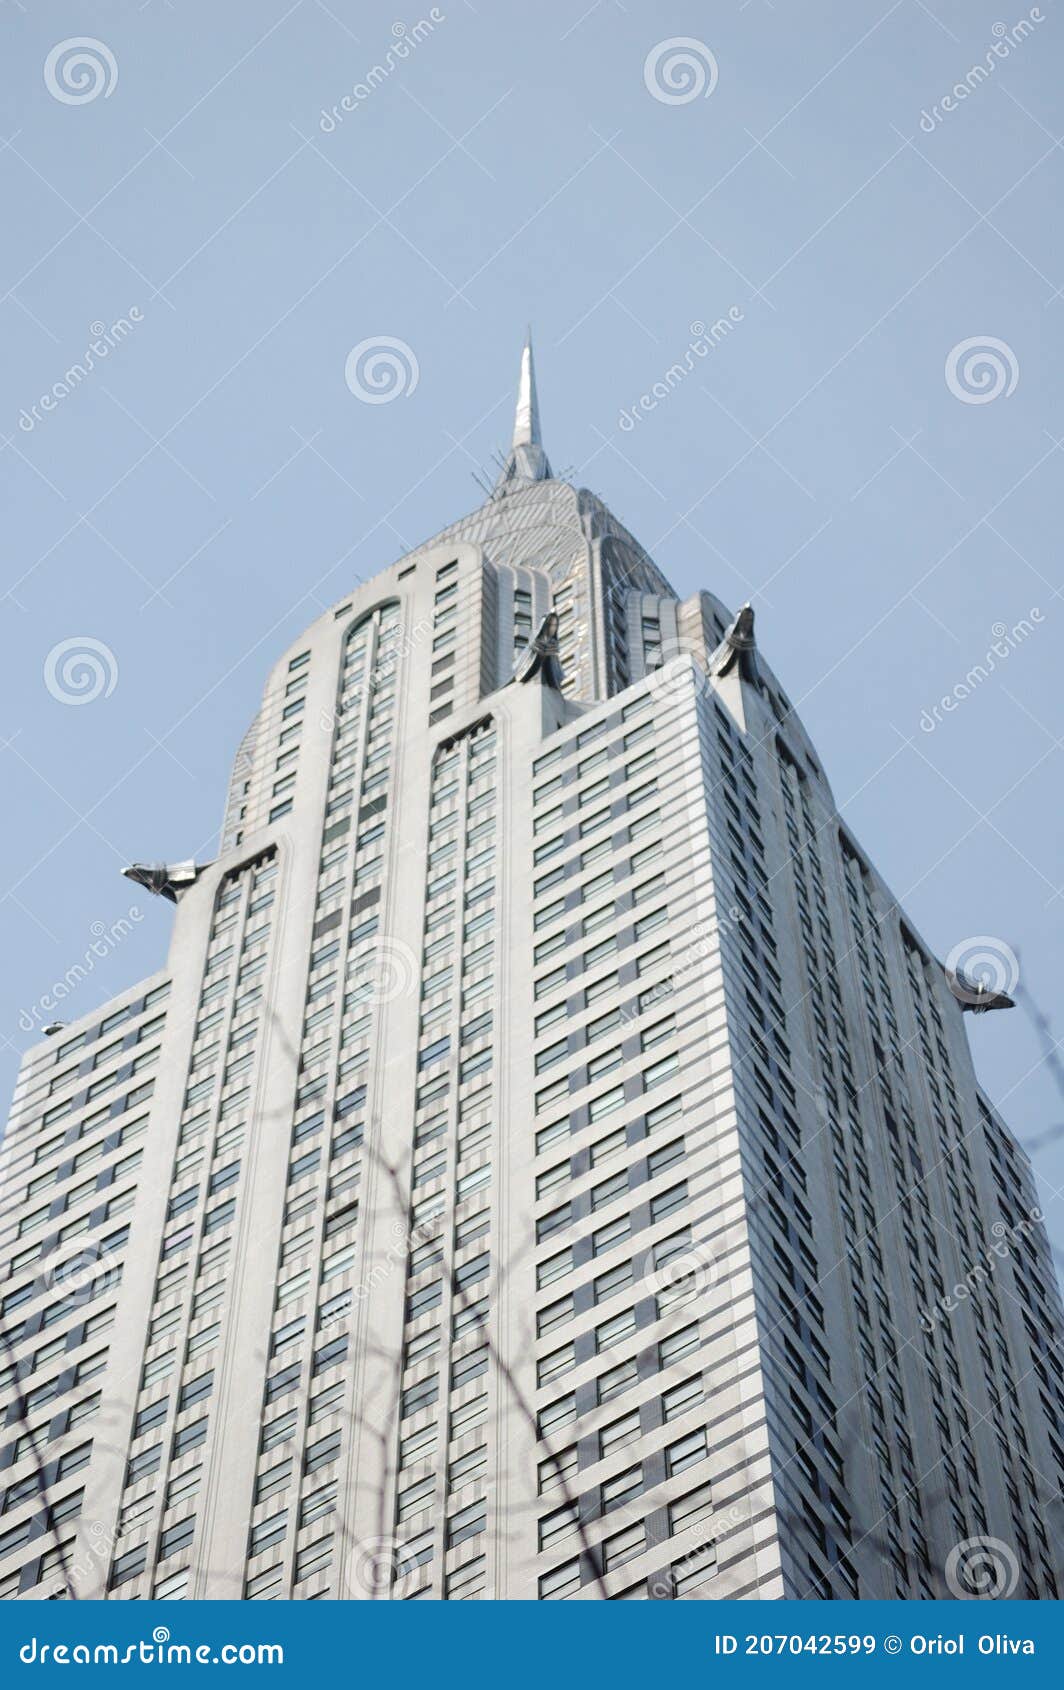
(549, 1163)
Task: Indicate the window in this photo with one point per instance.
(605, 1104)
(552, 1178)
(467, 1581)
(264, 1583)
(623, 1488)
(190, 1436)
(617, 1379)
(196, 1390)
(416, 1498)
(313, 1557)
(17, 1538)
(618, 1433)
(468, 1467)
(268, 1531)
(419, 1446)
(421, 1395)
(128, 1566)
(553, 1053)
(277, 1431)
(275, 1478)
(614, 1331)
(607, 1190)
(553, 1222)
(649, 922)
(677, 1244)
(678, 1344)
(554, 1267)
(607, 1236)
(466, 1523)
(668, 1202)
(153, 1415)
(607, 1284)
(614, 1144)
(624, 1546)
(690, 1509)
(176, 1537)
(560, 1581)
(665, 1157)
(694, 1569)
(554, 1315)
(558, 1362)
(425, 1298)
(686, 1452)
(329, 1354)
(558, 1469)
(604, 1064)
(74, 1460)
(556, 1415)
(552, 1134)
(322, 1453)
(563, 1523)
(280, 1383)
(468, 1368)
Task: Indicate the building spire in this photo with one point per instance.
(527, 460)
(526, 418)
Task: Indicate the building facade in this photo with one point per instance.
(549, 1164)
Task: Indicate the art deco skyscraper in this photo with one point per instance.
(549, 1162)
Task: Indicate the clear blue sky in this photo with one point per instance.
(213, 483)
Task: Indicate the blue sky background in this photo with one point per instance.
(204, 493)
